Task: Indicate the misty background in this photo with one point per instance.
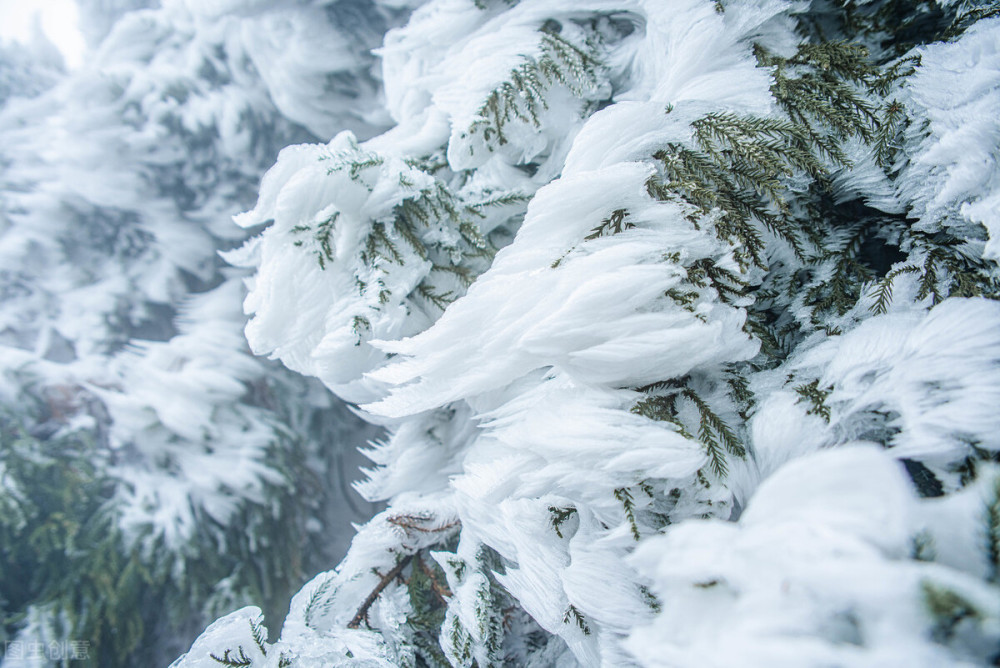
(153, 473)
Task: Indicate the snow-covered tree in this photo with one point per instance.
(679, 318)
(154, 473)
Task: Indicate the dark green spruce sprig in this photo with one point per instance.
(522, 96)
(735, 171)
(713, 432)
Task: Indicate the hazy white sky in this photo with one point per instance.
(57, 19)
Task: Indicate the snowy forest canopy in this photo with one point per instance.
(665, 330)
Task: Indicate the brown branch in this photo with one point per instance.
(442, 591)
(508, 617)
(411, 522)
(362, 613)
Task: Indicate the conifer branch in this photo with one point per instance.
(522, 97)
(817, 87)
(739, 388)
(968, 16)
(241, 660)
(439, 299)
(712, 423)
(628, 503)
(728, 285)
(739, 170)
(384, 581)
(881, 83)
(883, 289)
(259, 634)
(503, 199)
(946, 270)
(662, 408)
(559, 517)
(574, 616)
(412, 229)
(773, 341)
(359, 325)
(812, 393)
(840, 290)
(650, 599)
(616, 223)
(323, 232)
(886, 139)
(462, 273)
(354, 161)
(714, 434)
(429, 598)
(314, 599)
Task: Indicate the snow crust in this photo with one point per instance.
(952, 178)
(808, 576)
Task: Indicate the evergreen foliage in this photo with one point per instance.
(714, 433)
(62, 548)
(420, 214)
(71, 573)
(522, 97)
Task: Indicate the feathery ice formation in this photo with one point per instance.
(680, 320)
